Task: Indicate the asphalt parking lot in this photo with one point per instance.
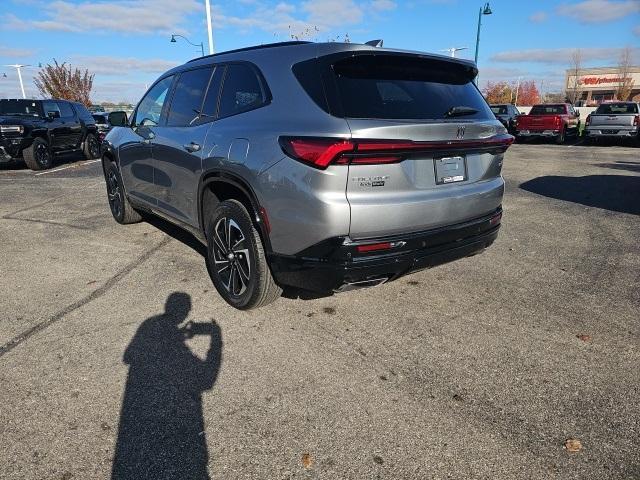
(482, 368)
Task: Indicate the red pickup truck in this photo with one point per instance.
(549, 120)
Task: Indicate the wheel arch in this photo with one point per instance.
(219, 185)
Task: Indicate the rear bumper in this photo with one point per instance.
(337, 265)
(613, 131)
(538, 133)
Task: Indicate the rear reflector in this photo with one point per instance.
(496, 219)
(322, 152)
(374, 247)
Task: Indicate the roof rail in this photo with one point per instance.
(255, 47)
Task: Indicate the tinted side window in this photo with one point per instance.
(50, 107)
(241, 90)
(210, 107)
(65, 109)
(150, 107)
(83, 113)
(186, 104)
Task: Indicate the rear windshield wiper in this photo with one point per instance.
(460, 111)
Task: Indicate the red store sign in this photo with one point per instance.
(601, 80)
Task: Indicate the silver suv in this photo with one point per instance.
(322, 166)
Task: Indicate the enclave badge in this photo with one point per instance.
(460, 134)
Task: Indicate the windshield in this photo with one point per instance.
(499, 110)
(613, 108)
(547, 110)
(20, 107)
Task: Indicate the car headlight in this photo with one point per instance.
(11, 129)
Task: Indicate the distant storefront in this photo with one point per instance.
(597, 85)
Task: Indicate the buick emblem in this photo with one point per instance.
(460, 133)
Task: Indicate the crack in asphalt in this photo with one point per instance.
(99, 292)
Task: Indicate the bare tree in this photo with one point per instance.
(62, 81)
(573, 87)
(625, 80)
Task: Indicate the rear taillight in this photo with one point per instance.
(322, 152)
(636, 120)
(588, 120)
(558, 122)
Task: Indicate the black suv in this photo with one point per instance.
(35, 130)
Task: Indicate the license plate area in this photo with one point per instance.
(450, 169)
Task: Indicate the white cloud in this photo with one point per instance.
(128, 16)
(119, 66)
(383, 5)
(9, 52)
(598, 11)
(308, 20)
(538, 17)
(563, 55)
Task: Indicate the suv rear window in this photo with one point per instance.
(397, 87)
(613, 108)
(19, 107)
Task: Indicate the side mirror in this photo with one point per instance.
(53, 114)
(118, 119)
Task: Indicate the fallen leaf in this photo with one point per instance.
(378, 459)
(584, 337)
(307, 461)
(573, 445)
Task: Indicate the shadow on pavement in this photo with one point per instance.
(176, 232)
(619, 165)
(618, 193)
(161, 434)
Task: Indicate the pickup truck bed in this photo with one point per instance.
(552, 121)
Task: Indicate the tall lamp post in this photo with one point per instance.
(486, 10)
(201, 45)
(18, 66)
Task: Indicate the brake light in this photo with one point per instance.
(588, 120)
(636, 120)
(322, 152)
(557, 121)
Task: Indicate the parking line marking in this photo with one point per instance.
(68, 166)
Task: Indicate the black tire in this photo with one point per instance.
(560, 139)
(236, 260)
(91, 147)
(38, 155)
(121, 209)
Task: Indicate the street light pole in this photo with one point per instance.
(209, 31)
(201, 45)
(18, 66)
(486, 10)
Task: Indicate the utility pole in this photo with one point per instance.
(209, 31)
(517, 91)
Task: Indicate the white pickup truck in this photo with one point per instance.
(614, 119)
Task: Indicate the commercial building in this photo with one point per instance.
(596, 85)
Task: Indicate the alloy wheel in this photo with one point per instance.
(231, 256)
(115, 196)
(42, 154)
(94, 148)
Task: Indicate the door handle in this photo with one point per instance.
(192, 147)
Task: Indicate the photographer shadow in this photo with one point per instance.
(161, 434)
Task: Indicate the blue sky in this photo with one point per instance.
(126, 42)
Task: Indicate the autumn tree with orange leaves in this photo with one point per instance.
(63, 82)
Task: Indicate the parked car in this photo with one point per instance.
(550, 121)
(325, 166)
(106, 121)
(507, 115)
(36, 130)
(96, 108)
(614, 120)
